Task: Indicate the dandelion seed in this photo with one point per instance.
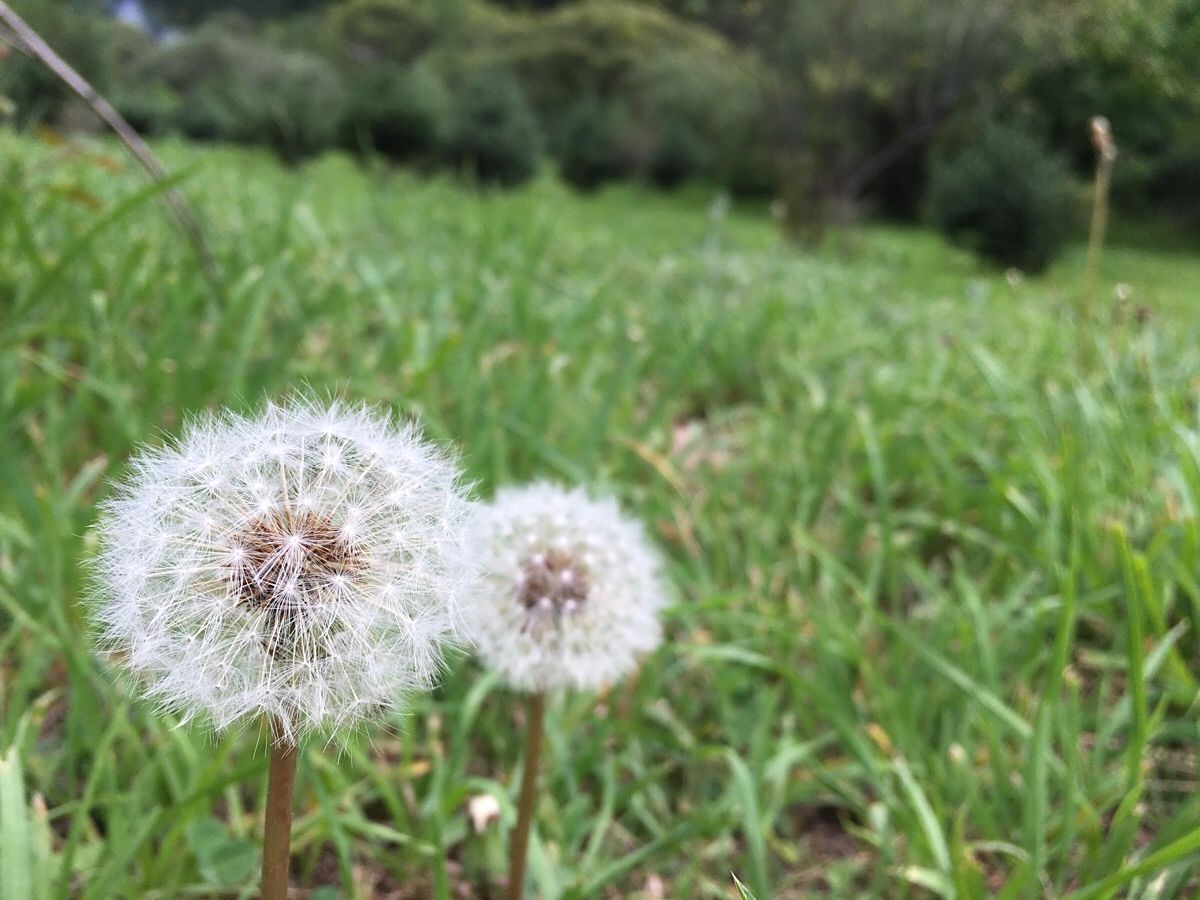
(572, 589)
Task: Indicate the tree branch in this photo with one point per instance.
(876, 164)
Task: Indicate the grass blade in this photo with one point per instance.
(16, 830)
(752, 829)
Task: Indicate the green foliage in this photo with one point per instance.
(291, 101)
(865, 87)
(1134, 64)
(594, 46)
(807, 206)
(590, 149)
(220, 84)
(838, 104)
(680, 154)
(153, 108)
(403, 114)
(606, 49)
(1173, 180)
(95, 46)
(910, 652)
(24, 835)
(384, 31)
(222, 859)
(496, 137)
(1006, 198)
(186, 13)
(715, 104)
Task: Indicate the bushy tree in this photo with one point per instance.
(1004, 197)
(404, 114)
(95, 46)
(219, 84)
(680, 154)
(390, 32)
(833, 105)
(706, 118)
(864, 87)
(590, 149)
(587, 65)
(189, 13)
(594, 48)
(496, 137)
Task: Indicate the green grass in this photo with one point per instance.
(937, 588)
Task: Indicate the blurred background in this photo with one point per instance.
(970, 114)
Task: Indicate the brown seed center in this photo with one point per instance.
(283, 561)
(283, 565)
(552, 585)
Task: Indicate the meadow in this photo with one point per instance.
(936, 561)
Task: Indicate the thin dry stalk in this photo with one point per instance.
(30, 42)
(1106, 155)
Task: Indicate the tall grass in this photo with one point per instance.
(937, 592)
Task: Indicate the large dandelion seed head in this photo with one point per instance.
(307, 565)
(571, 590)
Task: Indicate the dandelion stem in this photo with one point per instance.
(277, 826)
(1106, 155)
(518, 851)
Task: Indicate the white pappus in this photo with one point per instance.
(306, 564)
(572, 589)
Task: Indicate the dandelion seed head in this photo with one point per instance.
(571, 591)
(276, 566)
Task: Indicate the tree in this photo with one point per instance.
(864, 86)
(187, 13)
(496, 136)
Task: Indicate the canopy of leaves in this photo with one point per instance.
(837, 107)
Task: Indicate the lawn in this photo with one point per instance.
(937, 581)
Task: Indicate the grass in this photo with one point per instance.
(937, 589)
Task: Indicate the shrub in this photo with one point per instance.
(190, 13)
(94, 45)
(288, 100)
(591, 48)
(1174, 183)
(805, 209)
(152, 109)
(496, 137)
(216, 84)
(680, 155)
(391, 31)
(713, 100)
(404, 115)
(1005, 198)
(643, 66)
(1170, 177)
(590, 148)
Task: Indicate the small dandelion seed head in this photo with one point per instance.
(571, 589)
(264, 566)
